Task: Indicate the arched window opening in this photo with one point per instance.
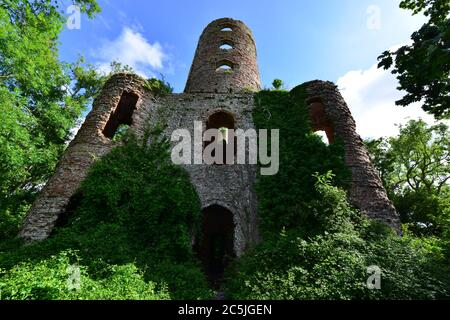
(215, 243)
(225, 66)
(223, 121)
(319, 120)
(226, 46)
(226, 28)
(122, 115)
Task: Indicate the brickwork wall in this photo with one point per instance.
(366, 191)
(89, 144)
(244, 76)
(208, 91)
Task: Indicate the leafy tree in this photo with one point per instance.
(415, 170)
(302, 153)
(277, 84)
(423, 67)
(41, 99)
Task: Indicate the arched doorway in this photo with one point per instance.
(215, 243)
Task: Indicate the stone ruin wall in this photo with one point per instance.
(89, 144)
(208, 91)
(229, 186)
(366, 192)
(224, 185)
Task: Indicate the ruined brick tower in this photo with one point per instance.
(225, 60)
(218, 93)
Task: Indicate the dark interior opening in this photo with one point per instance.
(222, 119)
(122, 114)
(319, 119)
(214, 246)
(70, 209)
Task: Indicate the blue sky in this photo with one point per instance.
(296, 40)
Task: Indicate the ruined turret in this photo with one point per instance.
(225, 60)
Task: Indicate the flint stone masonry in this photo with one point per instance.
(207, 92)
(227, 185)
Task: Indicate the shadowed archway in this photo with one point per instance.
(215, 243)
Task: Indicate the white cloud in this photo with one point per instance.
(371, 95)
(131, 48)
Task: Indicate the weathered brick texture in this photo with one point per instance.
(366, 191)
(243, 75)
(208, 91)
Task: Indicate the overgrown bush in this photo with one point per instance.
(136, 213)
(333, 264)
(159, 86)
(61, 277)
(136, 210)
(315, 245)
(284, 198)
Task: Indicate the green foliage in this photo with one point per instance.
(435, 9)
(121, 132)
(316, 246)
(333, 264)
(41, 99)
(57, 278)
(415, 171)
(425, 213)
(422, 152)
(423, 68)
(277, 84)
(302, 153)
(135, 209)
(159, 86)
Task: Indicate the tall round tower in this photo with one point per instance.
(225, 59)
